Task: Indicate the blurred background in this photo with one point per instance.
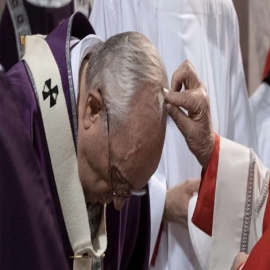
(254, 24)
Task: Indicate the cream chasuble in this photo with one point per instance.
(62, 152)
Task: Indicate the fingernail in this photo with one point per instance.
(165, 91)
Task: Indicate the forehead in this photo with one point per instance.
(136, 147)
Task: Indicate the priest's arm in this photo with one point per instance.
(233, 204)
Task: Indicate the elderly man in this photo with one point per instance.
(207, 33)
(232, 204)
(95, 115)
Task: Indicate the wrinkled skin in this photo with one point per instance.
(128, 156)
(177, 201)
(195, 126)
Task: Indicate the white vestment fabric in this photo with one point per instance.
(240, 201)
(206, 33)
(201, 242)
(260, 107)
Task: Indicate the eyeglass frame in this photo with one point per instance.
(137, 193)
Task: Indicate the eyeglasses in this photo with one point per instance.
(122, 193)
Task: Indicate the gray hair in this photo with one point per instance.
(121, 68)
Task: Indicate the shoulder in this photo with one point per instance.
(23, 92)
(21, 83)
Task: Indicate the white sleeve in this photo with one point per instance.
(260, 105)
(240, 199)
(240, 122)
(201, 242)
(157, 190)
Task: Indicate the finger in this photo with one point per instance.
(185, 74)
(240, 258)
(176, 98)
(194, 185)
(191, 100)
(182, 121)
(179, 76)
(188, 99)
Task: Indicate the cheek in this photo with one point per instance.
(84, 174)
(101, 187)
(94, 175)
(93, 162)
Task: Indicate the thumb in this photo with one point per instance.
(194, 185)
(240, 258)
(190, 100)
(182, 121)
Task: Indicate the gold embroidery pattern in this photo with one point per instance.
(248, 205)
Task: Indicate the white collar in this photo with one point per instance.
(77, 55)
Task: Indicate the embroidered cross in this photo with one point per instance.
(14, 3)
(52, 92)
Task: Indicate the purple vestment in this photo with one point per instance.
(29, 234)
(128, 229)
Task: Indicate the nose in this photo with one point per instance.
(118, 203)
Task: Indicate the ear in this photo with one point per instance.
(93, 107)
